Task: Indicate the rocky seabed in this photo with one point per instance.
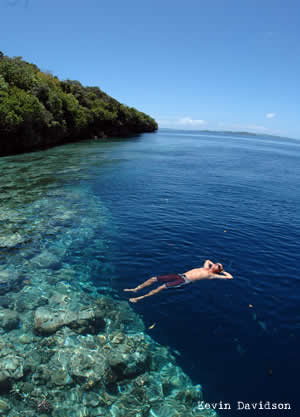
(68, 348)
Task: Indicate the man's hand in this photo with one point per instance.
(208, 263)
(226, 275)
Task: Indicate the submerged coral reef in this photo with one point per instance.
(65, 352)
(69, 355)
(69, 347)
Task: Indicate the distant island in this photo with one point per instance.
(37, 110)
(231, 132)
(227, 132)
(242, 133)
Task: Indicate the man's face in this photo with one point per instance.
(217, 268)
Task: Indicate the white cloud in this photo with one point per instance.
(257, 127)
(183, 123)
(270, 115)
(187, 121)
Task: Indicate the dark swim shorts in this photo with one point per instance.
(173, 280)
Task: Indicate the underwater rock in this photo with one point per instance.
(80, 363)
(173, 378)
(11, 240)
(60, 377)
(11, 367)
(129, 407)
(9, 319)
(101, 339)
(59, 299)
(188, 394)
(118, 338)
(10, 280)
(45, 259)
(63, 274)
(27, 388)
(91, 399)
(126, 366)
(65, 218)
(120, 315)
(21, 304)
(4, 301)
(4, 407)
(48, 320)
(169, 408)
(88, 321)
(129, 358)
(152, 386)
(10, 215)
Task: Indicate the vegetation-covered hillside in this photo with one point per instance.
(37, 110)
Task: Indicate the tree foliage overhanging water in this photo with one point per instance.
(38, 110)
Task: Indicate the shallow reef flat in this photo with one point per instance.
(67, 346)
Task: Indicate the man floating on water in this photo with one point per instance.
(208, 271)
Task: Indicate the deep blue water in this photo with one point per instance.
(163, 203)
(172, 195)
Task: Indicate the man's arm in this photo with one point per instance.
(207, 264)
(223, 275)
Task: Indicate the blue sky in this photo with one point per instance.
(205, 64)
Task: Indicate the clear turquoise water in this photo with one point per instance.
(124, 210)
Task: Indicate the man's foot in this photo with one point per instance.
(130, 289)
(133, 300)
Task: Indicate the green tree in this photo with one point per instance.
(37, 110)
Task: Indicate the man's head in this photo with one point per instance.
(217, 268)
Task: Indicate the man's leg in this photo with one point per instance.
(157, 290)
(149, 281)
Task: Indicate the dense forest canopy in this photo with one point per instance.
(37, 110)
